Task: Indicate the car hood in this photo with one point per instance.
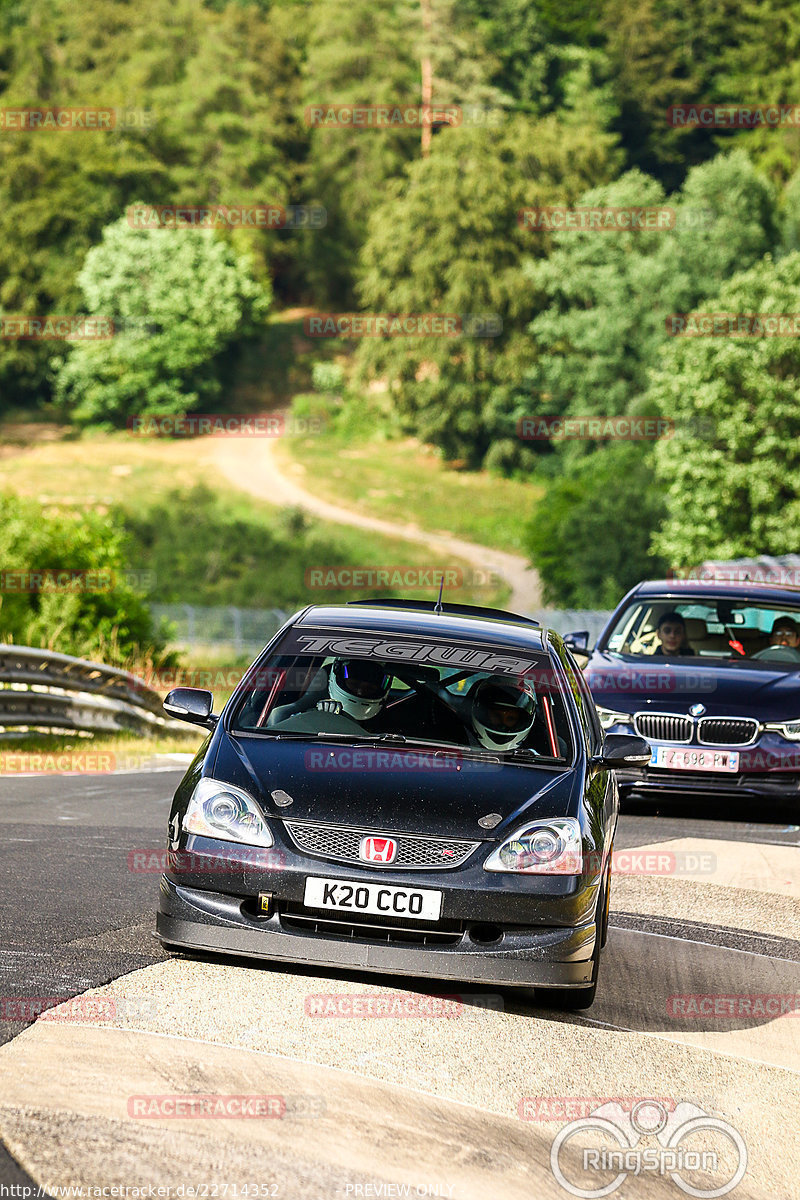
(392, 790)
(728, 688)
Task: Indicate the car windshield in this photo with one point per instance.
(341, 686)
(765, 635)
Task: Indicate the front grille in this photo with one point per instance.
(364, 931)
(663, 727)
(727, 731)
(341, 842)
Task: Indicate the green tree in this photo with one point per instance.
(760, 65)
(178, 299)
(590, 537)
(608, 294)
(731, 475)
(448, 240)
(208, 105)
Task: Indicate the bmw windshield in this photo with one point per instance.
(766, 636)
(351, 687)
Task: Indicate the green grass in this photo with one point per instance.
(107, 471)
(56, 753)
(405, 481)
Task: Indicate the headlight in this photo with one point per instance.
(217, 810)
(542, 848)
(608, 717)
(789, 729)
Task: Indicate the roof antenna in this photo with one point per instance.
(437, 608)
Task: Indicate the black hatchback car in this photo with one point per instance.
(402, 788)
(709, 673)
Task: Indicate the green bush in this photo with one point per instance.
(100, 615)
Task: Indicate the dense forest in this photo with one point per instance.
(557, 104)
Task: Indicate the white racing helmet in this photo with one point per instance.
(360, 687)
(502, 713)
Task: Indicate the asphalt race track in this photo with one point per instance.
(458, 1101)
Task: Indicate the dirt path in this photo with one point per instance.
(250, 464)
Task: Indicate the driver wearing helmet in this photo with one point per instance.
(359, 688)
(502, 713)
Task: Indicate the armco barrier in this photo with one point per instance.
(41, 689)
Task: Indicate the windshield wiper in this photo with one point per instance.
(272, 733)
(527, 753)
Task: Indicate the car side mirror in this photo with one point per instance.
(578, 643)
(191, 704)
(577, 640)
(622, 750)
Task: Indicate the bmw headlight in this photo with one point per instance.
(217, 810)
(551, 847)
(788, 729)
(609, 717)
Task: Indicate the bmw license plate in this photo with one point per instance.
(420, 903)
(685, 759)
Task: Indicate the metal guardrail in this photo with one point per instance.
(41, 689)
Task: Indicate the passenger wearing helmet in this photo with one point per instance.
(502, 714)
(360, 687)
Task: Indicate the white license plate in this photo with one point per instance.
(685, 759)
(420, 903)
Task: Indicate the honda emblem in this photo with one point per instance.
(377, 849)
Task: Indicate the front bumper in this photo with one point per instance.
(541, 956)
(768, 768)
(782, 785)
